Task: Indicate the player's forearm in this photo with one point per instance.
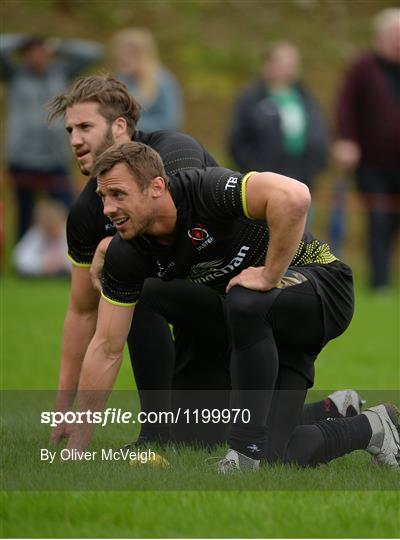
(100, 366)
(286, 215)
(79, 329)
(96, 268)
(100, 369)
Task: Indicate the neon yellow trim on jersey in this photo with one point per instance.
(115, 303)
(244, 196)
(77, 264)
(171, 329)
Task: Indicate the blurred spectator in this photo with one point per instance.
(42, 251)
(277, 124)
(38, 158)
(368, 130)
(157, 91)
(337, 223)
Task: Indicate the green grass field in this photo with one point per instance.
(347, 498)
(213, 48)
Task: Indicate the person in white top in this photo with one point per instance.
(42, 251)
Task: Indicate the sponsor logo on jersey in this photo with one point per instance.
(201, 269)
(109, 226)
(200, 237)
(231, 182)
(210, 270)
(198, 234)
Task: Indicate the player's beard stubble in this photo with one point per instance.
(105, 143)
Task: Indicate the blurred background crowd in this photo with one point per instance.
(304, 88)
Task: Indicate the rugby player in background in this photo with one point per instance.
(99, 111)
(285, 297)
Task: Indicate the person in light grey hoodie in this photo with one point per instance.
(34, 70)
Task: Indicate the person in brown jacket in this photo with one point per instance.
(368, 144)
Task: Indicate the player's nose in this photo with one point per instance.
(109, 207)
(76, 139)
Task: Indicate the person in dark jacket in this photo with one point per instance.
(368, 140)
(277, 124)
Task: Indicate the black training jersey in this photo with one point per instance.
(87, 225)
(214, 239)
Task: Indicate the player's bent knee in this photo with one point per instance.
(246, 306)
(152, 290)
(240, 302)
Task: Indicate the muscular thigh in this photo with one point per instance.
(193, 307)
(297, 319)
(197, 316)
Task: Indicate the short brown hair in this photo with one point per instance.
(111, 94)
(144, 162)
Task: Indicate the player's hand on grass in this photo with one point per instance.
(252, 278)
(60, 432)
(96, 268)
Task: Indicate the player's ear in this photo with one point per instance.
(119, 127)
(158, 186)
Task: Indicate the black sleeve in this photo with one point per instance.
(86, 226)
(126, 266)
(208, 159)
(222, 193)
(179, 151)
